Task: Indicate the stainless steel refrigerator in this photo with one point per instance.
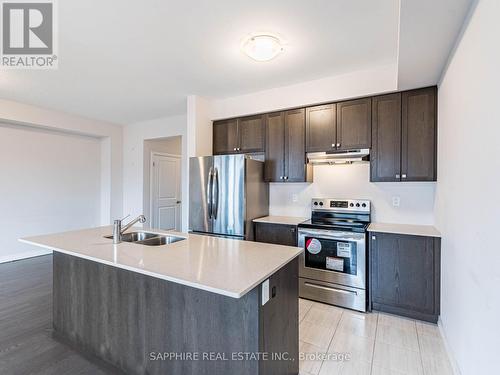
(226, 192)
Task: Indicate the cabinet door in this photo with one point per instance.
(278, 234)
(295, 146)
(251, 134)
(354, 124)
(385, 156)
(320, 128)
(275, 147)
(404, 273)
(225, 134)
(418, 160)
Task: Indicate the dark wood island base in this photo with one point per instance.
(144, 325)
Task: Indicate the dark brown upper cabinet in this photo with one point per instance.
(225, 134)
(242, 135)
(404, 136)
(285, 147)
(321, 123)
(354, 123)
(385, 155)
(274, 169)
(418, 136)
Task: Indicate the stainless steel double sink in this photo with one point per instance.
(149, 238)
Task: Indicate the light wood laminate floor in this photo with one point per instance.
(378, 344)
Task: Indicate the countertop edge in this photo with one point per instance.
(163, 277)
(417, 230)
(275, 219)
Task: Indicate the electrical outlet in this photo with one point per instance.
(265, 292)
(396, 201)
(295, 198)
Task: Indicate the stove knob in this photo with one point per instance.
(315, 203)
(357, 204)
(321, 203)
(363, 205)
(351, 204)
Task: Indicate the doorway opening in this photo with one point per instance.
(162, 183)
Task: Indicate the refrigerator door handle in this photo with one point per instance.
(209, 192)
(215, 195)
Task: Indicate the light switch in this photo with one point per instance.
(396, 200)
(265, 292)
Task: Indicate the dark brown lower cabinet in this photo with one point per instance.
(405, 275)
(278, 234)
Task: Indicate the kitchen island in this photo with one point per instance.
(202, 305)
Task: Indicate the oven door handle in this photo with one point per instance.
(322, 287)
(332, 234)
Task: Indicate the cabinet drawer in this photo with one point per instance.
(278, 234)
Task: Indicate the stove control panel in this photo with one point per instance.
(341, 205)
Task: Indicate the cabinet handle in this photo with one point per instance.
(374, 238)
(403, 176)
(338, 144)
(281, 177)
(333, 145)
(292, 230)
(286, 177)
(397, 176)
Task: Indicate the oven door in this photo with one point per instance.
(333, 256)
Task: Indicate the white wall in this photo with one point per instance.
(51, 182)
(111, 145)
(133, 161)
(351, 181)
(467, 195)
(59, 139)
(199, 126)
(361, 83)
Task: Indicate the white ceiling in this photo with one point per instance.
(127, 61)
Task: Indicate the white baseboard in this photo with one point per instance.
(451, 357)
(24, 255)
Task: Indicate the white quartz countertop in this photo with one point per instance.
(286, 220)
(410, 229)
(224, 266)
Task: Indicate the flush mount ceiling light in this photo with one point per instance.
(262, 47)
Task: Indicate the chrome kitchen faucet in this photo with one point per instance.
(118, 230)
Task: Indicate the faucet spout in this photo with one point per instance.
(118, 229)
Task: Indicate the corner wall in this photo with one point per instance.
(65, 172)
(133, 161)
(467, 196)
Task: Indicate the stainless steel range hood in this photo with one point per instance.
(339, 157)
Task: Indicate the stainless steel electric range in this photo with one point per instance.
(333, 265)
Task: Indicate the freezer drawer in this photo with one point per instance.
(334, 294)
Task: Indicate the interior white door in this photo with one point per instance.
(165, 191)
